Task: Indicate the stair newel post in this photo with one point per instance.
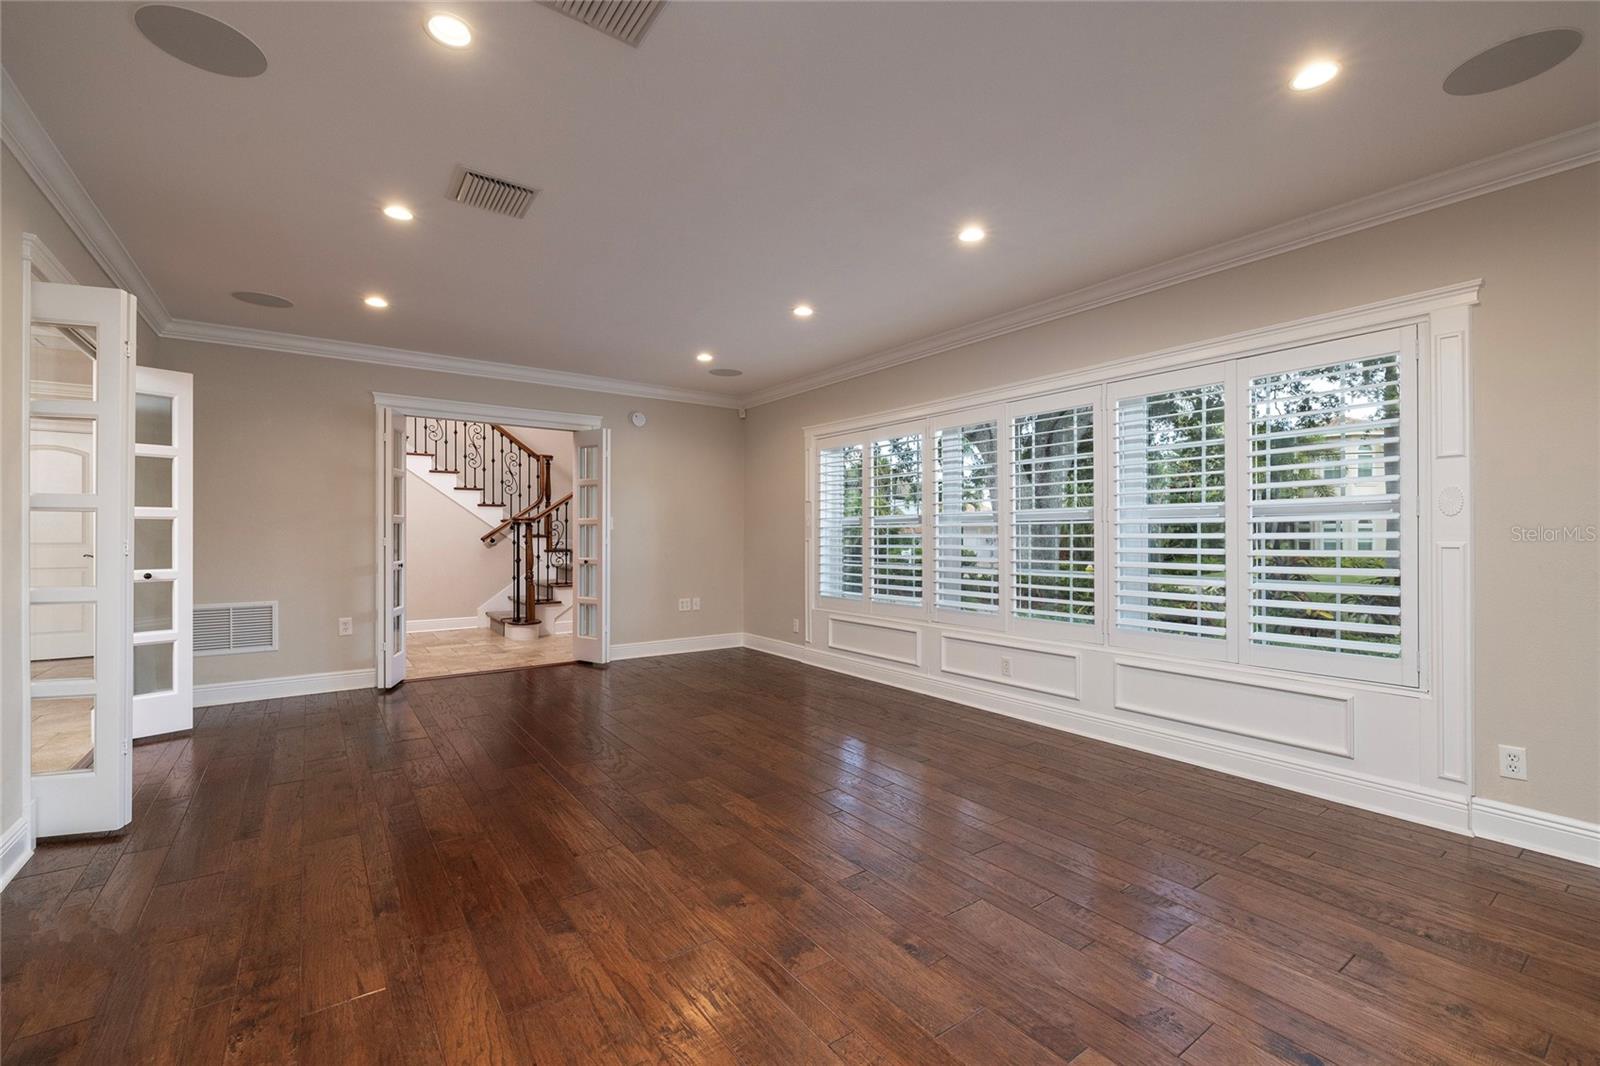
(516, 570)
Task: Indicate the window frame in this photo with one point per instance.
(1093, 397)
(1405, 669)
(955, 420)
(1225, 648)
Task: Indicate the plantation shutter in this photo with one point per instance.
(839, 499)
(967, 522)
(1327, 515)
(1171, 524)
(896, 522)
(1052, 515)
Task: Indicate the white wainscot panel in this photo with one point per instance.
(880, 640)
(1310, 718)
(999, 662)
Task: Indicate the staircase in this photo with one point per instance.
(513, 479)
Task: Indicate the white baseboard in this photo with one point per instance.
(16, 846)
(441, 625)
(1401, 800)
(273, 688)
(1552, 834)
(677, 646)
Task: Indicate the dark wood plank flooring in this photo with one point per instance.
(729, 857)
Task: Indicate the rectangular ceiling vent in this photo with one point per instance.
(477, 189)
(226, 628)
(626, 20)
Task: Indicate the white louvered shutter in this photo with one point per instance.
(1325, 508)
(1170, 526)
(897, 520)
(967, 521)
(1052, 515)
(839, 499)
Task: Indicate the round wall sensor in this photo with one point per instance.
(638, 419)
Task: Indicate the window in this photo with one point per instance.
(1052, 515)
(1325, 508)
(1256, 509)
(1171, 543)
(839, 570)
(897, 520)
(967, 522)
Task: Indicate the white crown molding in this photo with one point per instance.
(22, 132)
(353, 351)
(1575, 148)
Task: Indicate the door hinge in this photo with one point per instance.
(124, 549)
(127, 349)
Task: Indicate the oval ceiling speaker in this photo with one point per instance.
(726, 372)
(200, 40)
(261, 299)
(1512, 62)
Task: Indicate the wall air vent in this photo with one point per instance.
(227, 628)
(477, 189)
(626, 20)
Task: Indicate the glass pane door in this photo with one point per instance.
(80, 356)
(591, 642)
(163, 595)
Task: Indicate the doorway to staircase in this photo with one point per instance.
(493, 542)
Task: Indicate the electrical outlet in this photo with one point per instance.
(1513, 762)
(696, 606)
(1005, 666)
(683, 604)
(794, 624)
(347, 626)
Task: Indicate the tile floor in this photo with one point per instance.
(471, 651)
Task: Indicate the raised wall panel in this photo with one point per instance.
(880, 640)
(1451, 694)
(1313, 719)
(1054, 673)
(1450, 394)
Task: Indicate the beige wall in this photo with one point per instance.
(449, 571)
(284, 500)
(1536, 407)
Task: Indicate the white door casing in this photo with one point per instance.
(163, 552)
(80, 680)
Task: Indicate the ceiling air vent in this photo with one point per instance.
(477, 189)
(626, 20)
(225, 628)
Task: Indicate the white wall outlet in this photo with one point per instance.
(347, 626)
(794, 624)
(1513, 762)
(683, 604)
(1005, 666)
(696, 605)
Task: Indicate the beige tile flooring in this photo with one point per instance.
(62, 733)
(470, 651)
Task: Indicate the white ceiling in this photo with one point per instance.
(745, 157)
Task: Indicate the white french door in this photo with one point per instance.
(591, 639)
(79, 370)
(163, 552)
(392, 509)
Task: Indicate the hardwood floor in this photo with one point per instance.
(728, 857)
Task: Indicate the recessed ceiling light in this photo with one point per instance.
(804, 310)
(399, 212)
(704, 357)
(1313, 75)
(971, 234)
(375, 301)
(449, 31)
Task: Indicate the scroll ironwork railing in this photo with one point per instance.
(541, 558)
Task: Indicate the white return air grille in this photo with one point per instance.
(477, 189)
(230, 628)
(626, 20)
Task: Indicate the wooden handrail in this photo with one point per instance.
(523, 517)
(507, 434)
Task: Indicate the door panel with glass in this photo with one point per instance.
(591, 640)
(79, 371)
(163, 593)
